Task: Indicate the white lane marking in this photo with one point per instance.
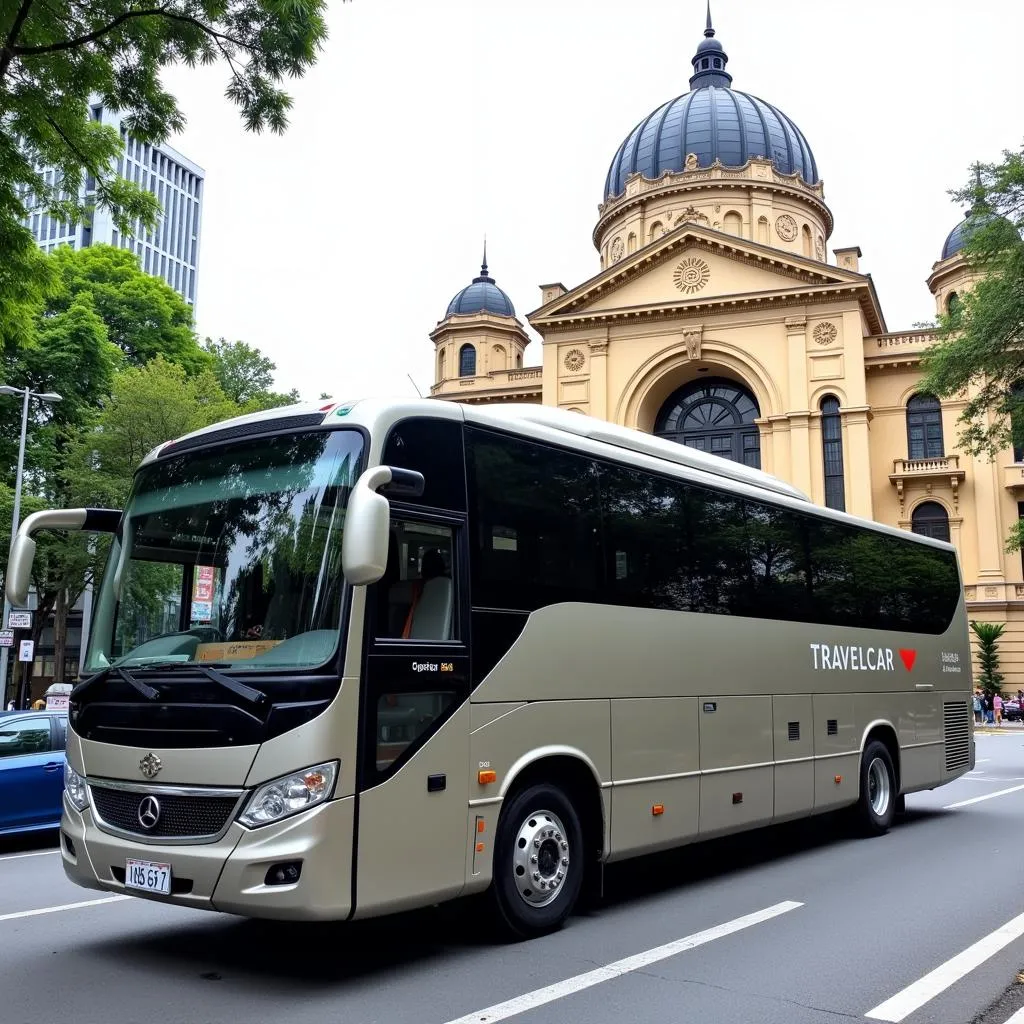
(1017, 1018)
(560, 989)
(986, 796)
(63, 906)
(914, 996)
(34, 853)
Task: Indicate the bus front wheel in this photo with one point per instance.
(876, 807)
(538, 861)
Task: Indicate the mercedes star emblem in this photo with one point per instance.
(150, 766)
(149, 812)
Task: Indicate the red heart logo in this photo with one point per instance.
(908, 658)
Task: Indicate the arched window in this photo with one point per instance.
(519, 359)
(467, 361)
(499, 359)
(930, 520)
(808, 245)
(713, 415)
(657, 230)
(440, 366)
(631, 242)
(733, 223)
(832, 453)
(952, 302)
(924, 428)
(762, 230)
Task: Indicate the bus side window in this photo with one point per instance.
(415, 599)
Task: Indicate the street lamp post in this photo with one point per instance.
(50, 398)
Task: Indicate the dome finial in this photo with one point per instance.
(483, 266)
(709, 61)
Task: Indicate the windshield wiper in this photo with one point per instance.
(122, 673)
(248, 693)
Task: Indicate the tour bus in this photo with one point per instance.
(360, 658)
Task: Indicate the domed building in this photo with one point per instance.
(716, 319)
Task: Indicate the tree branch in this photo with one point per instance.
(163, 12)
(7, 53)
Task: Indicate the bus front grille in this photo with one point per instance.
(956, 719)
(178, 816)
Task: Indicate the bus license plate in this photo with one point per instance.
(145, 875)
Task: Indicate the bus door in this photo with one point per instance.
(414, 776)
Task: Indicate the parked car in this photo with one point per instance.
(31, 770)
(1011, 710)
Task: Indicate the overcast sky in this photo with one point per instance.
(336, 248)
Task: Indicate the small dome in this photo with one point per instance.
(713, 122)
(481, 296)
(957, 239)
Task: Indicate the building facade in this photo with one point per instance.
(171, 250)
(717, 320)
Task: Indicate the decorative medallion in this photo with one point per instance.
(691, 162)
(150, 766)
(691, 275)
(819, 248)
(785, 227)
(618, 250)
(574, 360)
(825, 334)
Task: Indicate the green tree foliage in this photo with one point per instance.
(148, 405)
(56, 55)
(246, 376)
(980, 353)
(988, 633)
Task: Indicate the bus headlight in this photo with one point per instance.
(278, 799)
(74, 786)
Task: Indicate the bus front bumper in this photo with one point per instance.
(229, 875)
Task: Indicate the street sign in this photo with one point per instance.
(19, 620)
(6, 637)
(26, 649)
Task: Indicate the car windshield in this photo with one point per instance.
(230, 557)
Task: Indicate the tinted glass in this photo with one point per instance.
(663, 543)
(832, 453)
(24, 736)
(924, 428)
(535, 523)
(433, 448)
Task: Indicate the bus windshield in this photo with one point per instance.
(230, 558)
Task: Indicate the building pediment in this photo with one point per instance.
(699, 269)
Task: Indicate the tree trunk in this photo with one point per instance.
(60, 634)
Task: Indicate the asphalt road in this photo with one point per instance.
(794, 925)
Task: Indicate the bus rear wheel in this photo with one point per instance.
(538, 862)
(876, 807)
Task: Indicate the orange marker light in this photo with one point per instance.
(486, 777)
(658, 809)
(481, 825)
(479, 847)
(839, 779)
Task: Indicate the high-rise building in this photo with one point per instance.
(171, 249)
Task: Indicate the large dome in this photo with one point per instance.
(482, 295)
(712, 122)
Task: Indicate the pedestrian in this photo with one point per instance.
(977, 707)
(988, 708)
(997, 707)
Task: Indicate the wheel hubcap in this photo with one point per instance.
(879, 791)
(541, 861)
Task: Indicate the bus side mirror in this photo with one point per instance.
(364, 544)
(23, 550)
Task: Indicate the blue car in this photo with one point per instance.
(31, 770)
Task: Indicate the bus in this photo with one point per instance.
(353, 659)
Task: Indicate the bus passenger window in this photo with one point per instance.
(415, 599)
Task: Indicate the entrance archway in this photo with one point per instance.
(713, 415)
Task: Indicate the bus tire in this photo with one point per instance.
(538, 862)
(876, 806)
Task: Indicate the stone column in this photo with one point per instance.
(599, 376)
(857, 460)
(799, 420)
